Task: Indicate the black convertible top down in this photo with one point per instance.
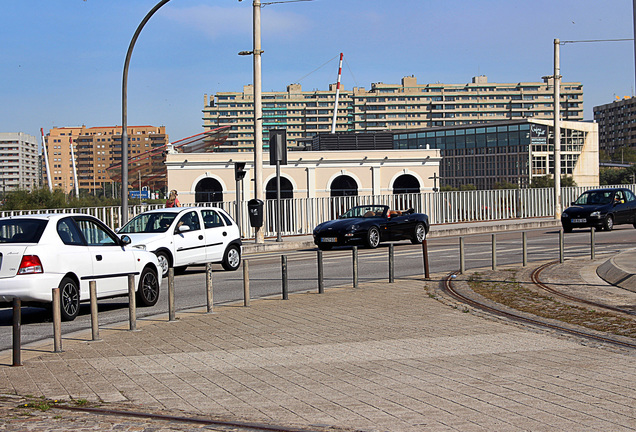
(371, 224)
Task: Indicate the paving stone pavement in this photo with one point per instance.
(382, 357)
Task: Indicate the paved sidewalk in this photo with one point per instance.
(383, 357)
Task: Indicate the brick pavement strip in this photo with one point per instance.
(380, 357)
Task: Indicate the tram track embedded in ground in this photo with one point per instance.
(447, 286)
(535, 276)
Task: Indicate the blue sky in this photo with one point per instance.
(62, 60)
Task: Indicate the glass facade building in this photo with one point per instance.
(499, 152)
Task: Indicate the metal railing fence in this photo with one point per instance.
(299, 216)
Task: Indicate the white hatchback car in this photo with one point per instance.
(183, 236)
(44, 251)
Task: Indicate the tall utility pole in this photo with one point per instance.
(557, 131)
(259, 235)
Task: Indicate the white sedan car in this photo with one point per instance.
(183, 236)
(44, 251)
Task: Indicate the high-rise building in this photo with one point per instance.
(408, 105)
(95, 149)
(18, 161)
(616, 124)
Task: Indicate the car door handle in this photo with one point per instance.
(224, 233)
(99, 257)
(200, 237)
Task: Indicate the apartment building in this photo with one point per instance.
(18, 161)
(407, 105)
(97, 148)
(616, 124)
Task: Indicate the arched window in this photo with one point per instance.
(208, 190)
(344, 185)
(286, 189)
(406, 183)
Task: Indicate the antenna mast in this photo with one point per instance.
(46, 161)
(70, 140)
(335, 108)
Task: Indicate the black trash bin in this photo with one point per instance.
(255, 210)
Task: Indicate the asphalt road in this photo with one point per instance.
(265, 273)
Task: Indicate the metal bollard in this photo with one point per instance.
(524, 247)
(132, 304)
(57, 320)
(92, 286)
(462, 256)
(354, 254)
(171, 308)
(208, 287)
(391, 263)
(283, 263)
(592, 243)
(321, 278)
(17, 322)
(427, 275)
(494, 252)
(246, 283)
(561, 247)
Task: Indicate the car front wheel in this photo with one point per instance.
(231, 258)
(148, 291)
(164, 263)
(419, 234)
(373, 237)
(69, 299)
(608, 224)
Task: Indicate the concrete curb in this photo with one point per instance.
(449, 230)
(614, 271)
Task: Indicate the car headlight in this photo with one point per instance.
(351, 230)
(564, 214)
(140, 246)
(595, 214)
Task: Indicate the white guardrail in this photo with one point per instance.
(299, 216)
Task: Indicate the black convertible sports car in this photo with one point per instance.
(602, 209)
(371, 224)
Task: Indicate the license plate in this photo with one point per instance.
(579, 220)
(329, 240)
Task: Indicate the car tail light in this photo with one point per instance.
(30, 264)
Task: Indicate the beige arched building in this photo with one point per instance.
(204, 177)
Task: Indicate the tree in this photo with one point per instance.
(624, 154)
(548, 181)
(505, 185)
(613, 176)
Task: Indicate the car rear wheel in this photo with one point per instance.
(69, 299)
(231, 258)
(608, 224)
(148, 291)
(567, 228)
(324, 247)
(164, 263)
(373, 237)
(419, 234)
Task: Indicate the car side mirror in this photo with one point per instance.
(183, 228)
(125, 240)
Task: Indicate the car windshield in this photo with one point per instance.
(149, 223)
(21, 230)
(595, 198)
(368, 211)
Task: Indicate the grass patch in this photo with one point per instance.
(512, 293)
